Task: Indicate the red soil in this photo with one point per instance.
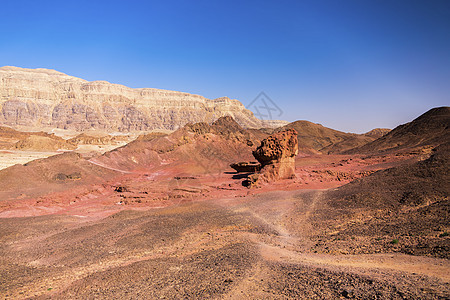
(170, 182)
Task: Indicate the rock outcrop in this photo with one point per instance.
(38, 99)
(276, 154)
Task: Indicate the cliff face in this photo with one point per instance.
(41, 98)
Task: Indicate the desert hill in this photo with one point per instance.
(207, 148)
(43, 143)
(48, 175)
(32, 141)
(401, 209)
(37, 99)
(315, 138)
(428, 130)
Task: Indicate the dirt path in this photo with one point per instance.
(292, 247)
(432, 267)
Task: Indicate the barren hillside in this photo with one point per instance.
(428, 130)
(315, 138)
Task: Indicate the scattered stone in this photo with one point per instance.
(121, 189)
(63, 177)
(251, 180)
(347, 293)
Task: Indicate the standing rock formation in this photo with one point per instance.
(37, 99)
(276, 154)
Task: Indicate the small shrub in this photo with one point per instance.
(394, 241)
(444, 234)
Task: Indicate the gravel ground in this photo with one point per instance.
(258, 247)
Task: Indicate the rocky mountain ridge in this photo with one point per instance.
(35, 99)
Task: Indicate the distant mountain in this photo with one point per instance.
(315, 138)
(430, 129)
(41, 99)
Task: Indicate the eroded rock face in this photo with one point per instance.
(38, 99)
(277, 147)
(276, 154)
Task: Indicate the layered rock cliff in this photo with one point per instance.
(39, 98)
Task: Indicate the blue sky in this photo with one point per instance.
(352, 65)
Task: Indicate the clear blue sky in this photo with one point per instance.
(352, 65)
